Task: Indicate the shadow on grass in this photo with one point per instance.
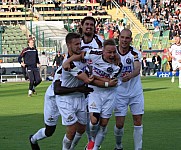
(154, 89)
(161, 132)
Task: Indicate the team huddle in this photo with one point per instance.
(96, 79)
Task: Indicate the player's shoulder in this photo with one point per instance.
(134, 51)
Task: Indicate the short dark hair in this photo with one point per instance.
(109, 42)
(88, 18)
(43, 53)
(71, 36)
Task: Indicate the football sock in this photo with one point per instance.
(88, 127)
(118, 133)
(179, 78)
(39, 135)
(66, 143)
(100, 137)
(76, 139)
(93, 131)
(137, 135)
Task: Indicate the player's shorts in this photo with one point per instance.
(176, 65)
(72, 109)
(51, 112)
(102, 102)
(136, 105)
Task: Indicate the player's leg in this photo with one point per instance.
(179, 78)
(137, 110)
(68, 108)
(174, 66)
(81, 123)
(31, 78)
(120, 111)
(51, 115)
(101, 133)
(37, 77)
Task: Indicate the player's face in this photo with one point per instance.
(125, 39)
(109, 53)
(88, 28)
(75, 46)
(31, 43)
(177, 40)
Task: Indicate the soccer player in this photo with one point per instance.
(51, 112)
(90, 40)
(175, 53)
(72, 107)
(31, 61)
(101, 100)
(129, 91)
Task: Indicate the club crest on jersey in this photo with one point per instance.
(128, 61)
(110, 69)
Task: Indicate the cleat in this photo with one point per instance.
(34, 92)
(30, 93)
(90, 145)
(33, 146)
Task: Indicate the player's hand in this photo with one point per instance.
(85, 89)
(23, 64)
(38, 65)
(179, 60)
(66, 66)
(91, 78)
(52, 66)
(113, 82)
(126, 77)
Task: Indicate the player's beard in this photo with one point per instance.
(89, 34)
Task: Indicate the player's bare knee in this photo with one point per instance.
(49, 130)
(95, 118)
(137, 119)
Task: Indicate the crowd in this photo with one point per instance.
(158, 15)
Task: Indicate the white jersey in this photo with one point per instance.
(175, 50)
(101, 68)
(96, 43)
(69, 78)
(57, 76)
(132, 87)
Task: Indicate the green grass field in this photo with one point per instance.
(21, 116)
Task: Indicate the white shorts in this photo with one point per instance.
(136, 105)
(51, 112)
(176, 65)
(102, 103)
(72, 109)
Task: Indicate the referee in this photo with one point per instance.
(31, 61)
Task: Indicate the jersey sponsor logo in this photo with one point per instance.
(178, 52)
(101, 73)
(127, 69)
(128, 61)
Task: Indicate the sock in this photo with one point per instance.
(118, 133)
(88, 127)
(39, 135)
(137, 135)
(66, 143)
(179, 78)
(76, 139)
(93, 131)
(100, 137)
